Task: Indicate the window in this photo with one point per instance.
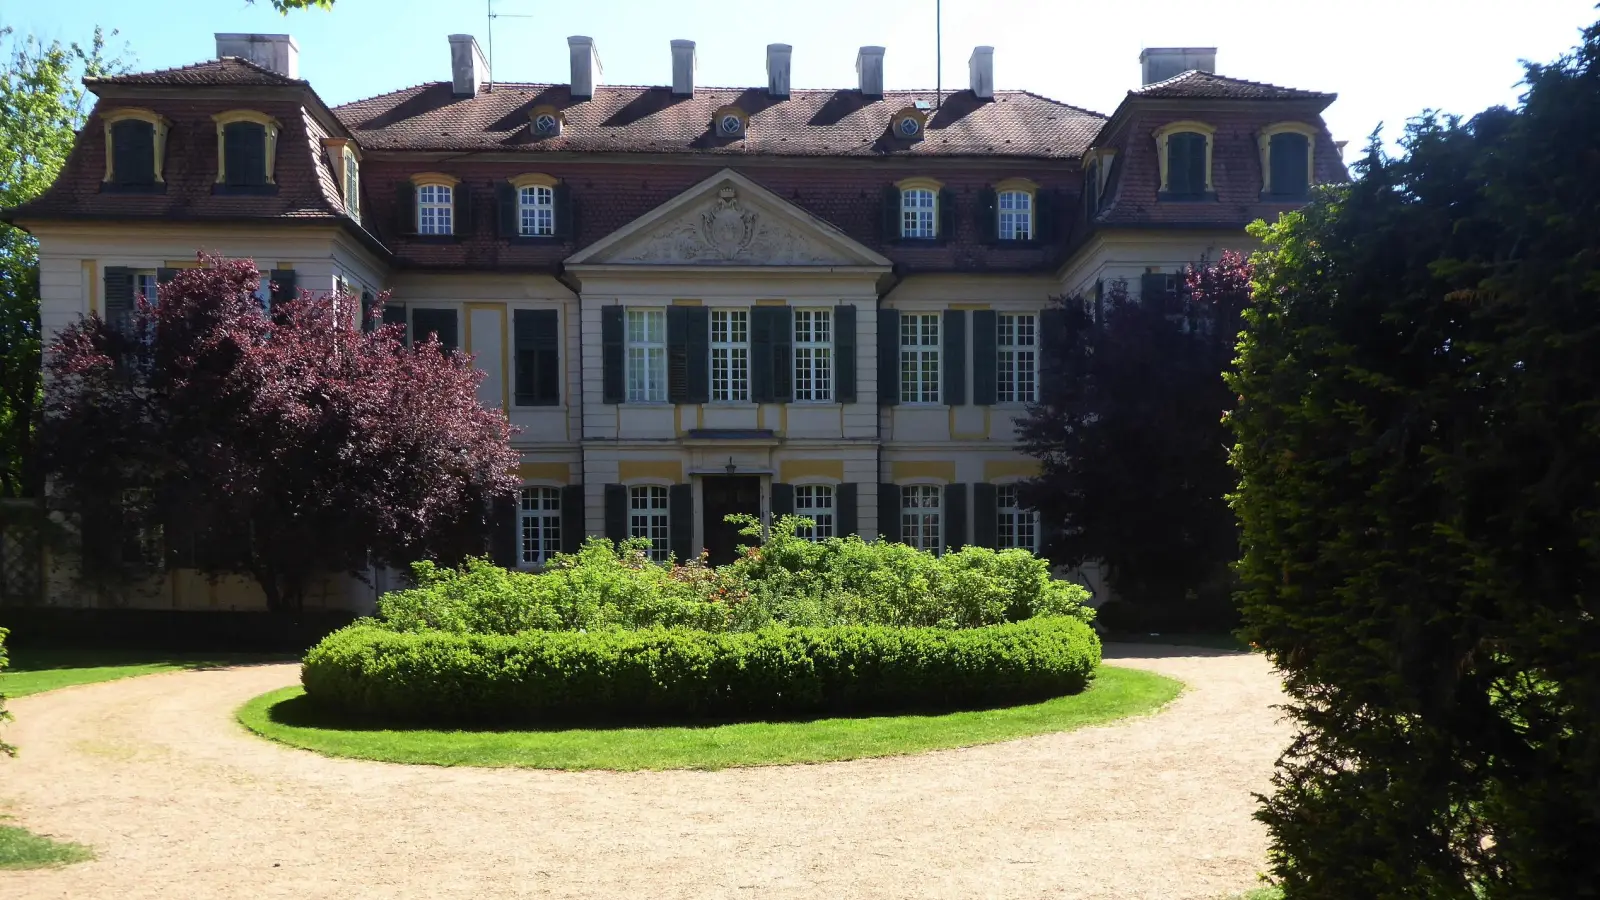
(538, 525)
(1184, 152)
(536, 211)
(1091, 188)
(1286, 160)
(435, 206)
(647, 356)
(263, 292)
(135, 144)
(647, 518)
(1018, 527)
(731, 125)
(919, 516)
(247, 144)
(919, 358)
(908, 126)
(352, 185)
(146, 284)
(918, 214)
(813, 355)
(1017, 336)
(1016, 215)
(547, 124)
(730, 355)
(815, 502)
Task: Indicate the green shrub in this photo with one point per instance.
(4, 716)
(675, 674)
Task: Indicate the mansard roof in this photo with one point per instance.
(809, 123)
(229, 71)
(1197, 85)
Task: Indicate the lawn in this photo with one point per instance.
(22, 849)
(286, 715)
(33, 671)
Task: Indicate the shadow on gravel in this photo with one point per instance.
(1114, 650)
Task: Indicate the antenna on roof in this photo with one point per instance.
(489, 6)
(938, 53)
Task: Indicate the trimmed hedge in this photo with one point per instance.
(658, 674)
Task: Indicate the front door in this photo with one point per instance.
(722, 496)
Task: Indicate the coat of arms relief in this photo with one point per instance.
(726, 232)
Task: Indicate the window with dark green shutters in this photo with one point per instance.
(538, 357)
(1289, 156)
(440, 322)
(538, 525)
(244, 148)
(133, 154)
(1186, 164)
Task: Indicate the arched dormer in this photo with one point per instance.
(247, 151)
(1288, 166)
(136, 144)
(1184, 151)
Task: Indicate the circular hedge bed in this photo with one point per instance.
(656, 674)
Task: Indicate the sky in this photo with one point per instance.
(1386, 59)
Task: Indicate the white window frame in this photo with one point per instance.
(646, 354)
(536, 210)
(813, 355)
(538, 525)
(352, 185)
(649, 517)
(730, 355)
(819, 503)
(919, 213)
(151, 294)
(436, 209)
(1015, 527)
(919, 358)
(1016, 358)
(1015, 209)
(922, 516)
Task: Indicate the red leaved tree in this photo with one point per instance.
(204, 433)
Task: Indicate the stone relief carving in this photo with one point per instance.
(726, 232)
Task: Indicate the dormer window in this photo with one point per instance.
(345, 161)
(247, 144)
(1015, 210)
(135, 145)
(435, 208)
(919, 209)
(731, 122)
(547, 121)
(1286, 168)
(908, 123)
(433, 204)
(1184, 154)
(533, 205)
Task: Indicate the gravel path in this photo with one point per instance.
(180, 802)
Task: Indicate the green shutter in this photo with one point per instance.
(1052, 329)
(888, 357)
(782, 500)
(283, 285)
(985, 515)
(955, 516)
(955, 357)
(1186, 164)
(697, 322)
(782, 319)
(844, 354)
(616, 498)
(367, 300)
(889, 511)
(892, 223)
(984, 364)
(947, 215)
(537, 357)
(846, 509)
(504, 536)
(405, 207)
(133, 149)
(1287, 154)
(572, 527)
(611, 354)
(395, 314)
(118, 309)
(507, 215)
(442, 322)
(1158, 288)
(761, 335)
(461, 215)
(680, 521)
(677, 354)
(244, 148)
(986, 215)
(1046, 215)
(565, 212)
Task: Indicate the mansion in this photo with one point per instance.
(690, 301)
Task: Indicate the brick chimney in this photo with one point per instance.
(277, 52)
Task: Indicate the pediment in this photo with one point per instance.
(728, 221)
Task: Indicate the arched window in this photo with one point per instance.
(135, 144)
(1015, 210)
(435, 209)
(536, 210)
(1286, 149)
(1184, 150)
(247, 149)
(919, 218)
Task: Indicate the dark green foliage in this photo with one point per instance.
(1419, 451)
(1134, 452)
(659, 674)
(4, 716)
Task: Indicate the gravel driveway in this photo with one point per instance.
(180, 802)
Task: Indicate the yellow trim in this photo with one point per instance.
(1209, 132)
(683, 301)
(184, 264)
(224, 119)
(995, 469)
(1026, 185)
(725, 110)
(286, 265)
(647, 469)
(919, 115)
(791, 470)
(423, 179)
(90, 283)
(771, 303)
(910, 470)
(546, 471)
(920, 182)
(344, 144)
(505, 361)
(1264, 141)
(533, 179)
(968, 306)
(159, 126)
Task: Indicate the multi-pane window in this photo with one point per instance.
(647, 518)
(918, 208)
(538, 525)
(352, 186)
(647, 356)
(730, 354)
(146, 286)
(813, 354)
(1016, 358)
(815, 502)
(536, 211)
(434, 209)
(1016, 215)
(919, 515)
(919, 358)
(263, 292)
(1018, 527)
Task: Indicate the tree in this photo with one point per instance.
(204, 433)
(41, 109)
(1135, 464)
(1418, 447)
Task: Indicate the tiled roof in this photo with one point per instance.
(652, 120)
(1193, 84)
(229, 70)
